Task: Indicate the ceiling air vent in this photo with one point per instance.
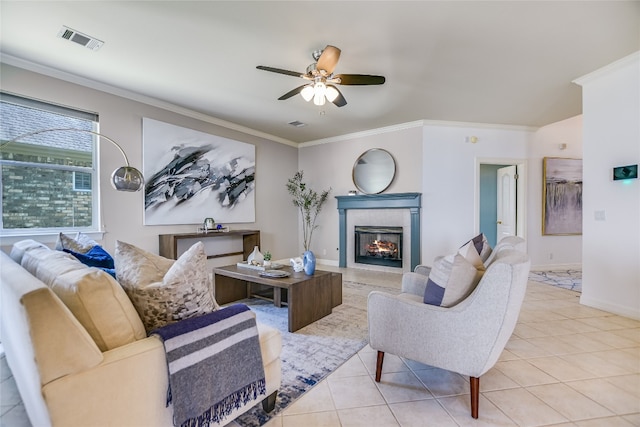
(297, 123)
(82, 39)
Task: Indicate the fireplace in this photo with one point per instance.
(378, 245)
(397, 209)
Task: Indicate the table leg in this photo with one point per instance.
(309, 301)
(277, 297)
(229, 289)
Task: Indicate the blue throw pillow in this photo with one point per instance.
(96, 257)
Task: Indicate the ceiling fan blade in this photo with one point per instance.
(359, 79)
(292, 93)
(280, 71)
(339, 101)
(328, 59)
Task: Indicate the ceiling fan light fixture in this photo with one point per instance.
(319, 74)
(307, 93)
(319, 91)
(331, 93)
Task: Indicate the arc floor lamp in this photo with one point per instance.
(124, 178)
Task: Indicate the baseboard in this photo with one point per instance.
(330, 262)
(556, 267)
(610, 308)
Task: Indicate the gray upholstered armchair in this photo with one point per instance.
(467, 338)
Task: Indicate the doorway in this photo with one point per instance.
(500, 195)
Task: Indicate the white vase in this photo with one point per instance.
(255, 257)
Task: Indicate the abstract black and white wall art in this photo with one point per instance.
(562, 196)
(192, 175)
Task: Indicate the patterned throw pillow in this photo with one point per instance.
(482, 246)
(469, 252)
(452, 279)
(79, 244)
(164, 291)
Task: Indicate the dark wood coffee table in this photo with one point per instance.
(309, 298)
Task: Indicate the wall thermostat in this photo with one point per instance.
(625, 172)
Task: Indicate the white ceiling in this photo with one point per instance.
(503, 62)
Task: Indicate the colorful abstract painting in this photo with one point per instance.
(192, 175)
(562, 196)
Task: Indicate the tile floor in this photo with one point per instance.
(565, 365)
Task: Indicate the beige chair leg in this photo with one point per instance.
(475, 396)
(379, 365)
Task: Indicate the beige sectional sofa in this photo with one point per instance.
(78, 350)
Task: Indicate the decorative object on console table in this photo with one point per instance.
(209, 224)
(309, 202)
(267, 259)
(309, 263)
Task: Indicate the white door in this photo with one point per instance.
(506, 218)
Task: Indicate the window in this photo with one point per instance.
(82, 181)
(46, 179)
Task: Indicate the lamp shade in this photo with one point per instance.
(319, 90)
(307, 93)
(125, 178)
(331, 93)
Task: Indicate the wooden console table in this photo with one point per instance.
(169, 242)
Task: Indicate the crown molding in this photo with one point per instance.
(365, 133)
(92, 84)
(499, 126)
(414, 124)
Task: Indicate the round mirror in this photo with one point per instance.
(374, 171)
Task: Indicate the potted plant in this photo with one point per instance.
(267, 259)
(310, 203)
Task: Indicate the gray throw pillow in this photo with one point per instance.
(165, 291)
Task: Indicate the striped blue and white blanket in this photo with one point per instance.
(215, 365)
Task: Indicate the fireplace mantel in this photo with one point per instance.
(411, 201)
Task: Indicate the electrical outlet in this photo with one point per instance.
(550, 255)
(324, 252)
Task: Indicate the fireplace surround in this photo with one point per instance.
(410, 201)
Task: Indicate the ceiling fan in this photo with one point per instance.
(322, 80)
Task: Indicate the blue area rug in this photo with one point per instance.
(313, 352)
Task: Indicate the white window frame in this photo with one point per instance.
(48, 234)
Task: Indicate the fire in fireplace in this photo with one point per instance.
(378, 246)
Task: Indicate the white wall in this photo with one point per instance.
(121, 120)
(611, 247)
(551, 252)
(449, 179)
